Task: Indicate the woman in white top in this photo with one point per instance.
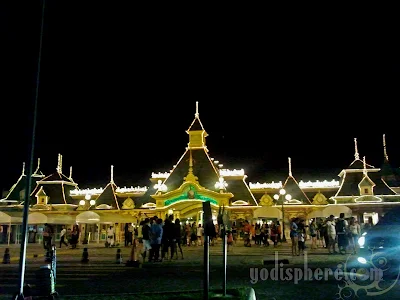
(354, 233)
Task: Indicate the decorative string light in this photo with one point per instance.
(356, 155)
(160, 186)
(221, 184)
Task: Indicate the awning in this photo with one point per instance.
(267, 212)
(331, 210)
(60, 219)
(319, 213)
(111, 218)
(10, 217)
(37, 218)
(91, 217)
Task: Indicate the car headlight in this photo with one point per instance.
(361, 241)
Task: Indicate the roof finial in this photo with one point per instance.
(59, 163)
(23, 168)
(37, 168)
(70, 172)
(364, 166)
(384, 148)
(290, 166)
(197, 109)
(356, 155)
(112, 174)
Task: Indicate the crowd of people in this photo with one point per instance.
(160, 240)
(163, 239)
(337, 235)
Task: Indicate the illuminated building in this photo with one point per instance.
(361, 190)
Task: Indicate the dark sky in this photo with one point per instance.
(116, 91)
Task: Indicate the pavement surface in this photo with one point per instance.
(246, 267)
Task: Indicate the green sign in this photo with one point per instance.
(195, 197)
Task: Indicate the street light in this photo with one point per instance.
(282, 192)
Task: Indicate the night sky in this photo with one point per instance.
(115, 91)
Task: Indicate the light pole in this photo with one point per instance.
(282, 192)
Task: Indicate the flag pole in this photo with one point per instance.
(22, 259)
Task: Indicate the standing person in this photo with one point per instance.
(246, 232)
(341, 232)
(178, 238)
(156, 234)
(234, 233)
(68, 236)
(294, 236)
(200, 234)
(126, 233)
(279, 231)
(331, 230)
(110, 236)
(258, 235)
(193, 234)
(74, 236)
(145, 238)
(167, 240)
(313, 233)
(274, 233)
(47, 236)
(187, 234)
(62, 236)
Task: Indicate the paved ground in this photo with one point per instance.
(102, 275)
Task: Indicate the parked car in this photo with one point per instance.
(380, 245)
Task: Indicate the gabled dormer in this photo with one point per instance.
(366, 185)
(41, 197)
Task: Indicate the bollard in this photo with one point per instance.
(48, 256)
(54, 261)
(118, 257)
(85, 255)
(45, 283)
(6, 256)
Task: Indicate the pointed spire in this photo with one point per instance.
(365, 167)
(70, 172)
(356, 155)
(59, 163)
(23, 168)
(190, 176)
(37, 168)
(290, 166)
(197, 109)
(112, 174)
(384, 149)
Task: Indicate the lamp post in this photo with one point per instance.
(282, 192)
(87, 203)
(221, 184)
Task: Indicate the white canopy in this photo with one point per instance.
(37, 218)
(10, 218)
(267, 212)
(88, 217)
